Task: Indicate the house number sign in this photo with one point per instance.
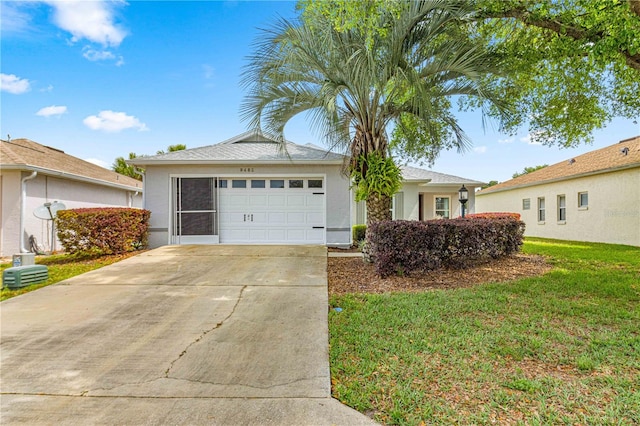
(246, 169)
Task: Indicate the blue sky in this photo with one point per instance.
(102, 79)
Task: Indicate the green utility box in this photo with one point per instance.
(22, 276)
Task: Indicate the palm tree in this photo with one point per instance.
(355, 85)
(120, 166)
(173, 148)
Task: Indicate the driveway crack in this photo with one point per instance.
(204, 333)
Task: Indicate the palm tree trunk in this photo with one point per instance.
(378, 209)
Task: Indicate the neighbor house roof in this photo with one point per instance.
(249, 147)
(24, 154)
(414, 174)
(622, 155)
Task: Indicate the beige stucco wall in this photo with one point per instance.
(612, 216)
(158, 188)
(73, 194)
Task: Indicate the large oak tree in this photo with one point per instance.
(569, 66)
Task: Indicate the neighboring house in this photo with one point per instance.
(246, 190)
(47, 174)
(593, 197)
(427, 195)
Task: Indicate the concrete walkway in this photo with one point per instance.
(216, 335)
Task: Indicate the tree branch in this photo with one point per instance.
(635, 6)
(570, 30)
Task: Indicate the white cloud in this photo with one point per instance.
(120, 61)
(14, 18)
(97, 162)
(96, 55)
(111, 121)
(508, 140)
(47, 89)
(14, 84)
(480, 149)
(52, 110)
(529, 139)
(89, 20)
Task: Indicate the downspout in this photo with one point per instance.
(140, 172)
(23, 208)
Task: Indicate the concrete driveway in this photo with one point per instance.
(231, 335)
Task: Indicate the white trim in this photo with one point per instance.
(287, 162)
(71, 176)
(435, 215)
(559, 208)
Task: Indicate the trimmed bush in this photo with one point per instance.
(358, 233)
(103, 230)
(493, 215)
(402, 247)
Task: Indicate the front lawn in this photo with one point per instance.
(562, 348)
(61, 267)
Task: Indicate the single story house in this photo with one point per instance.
(247, 190)
(593, 197)
(32, 174)
(426, 195)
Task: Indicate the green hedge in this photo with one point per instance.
(403, 246)
(358, 232)
(103, 230)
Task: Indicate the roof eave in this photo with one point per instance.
(560, 179)
(72, 176)
(230, 162)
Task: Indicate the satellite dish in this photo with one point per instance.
(48, 211)
(42, 213)
(55, 207)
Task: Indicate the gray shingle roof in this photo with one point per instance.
(250, 147)
(415, 174)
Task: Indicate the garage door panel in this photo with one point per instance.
(315, 200)
(277, 200)
(296, 235)
(277, 234)
(258, 200)
(296, 218)
(235, 200)
(295, 200)
(239, 235)
(315, 218)
(277, 218)
(236, 218)
(315, 235)
(258, 218)
(272, 215)
(258, 235)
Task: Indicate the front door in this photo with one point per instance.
(195, 210)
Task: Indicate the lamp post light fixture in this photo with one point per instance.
(463, 197)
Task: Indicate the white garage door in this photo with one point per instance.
(272, 210)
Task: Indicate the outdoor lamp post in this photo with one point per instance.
(463, 197)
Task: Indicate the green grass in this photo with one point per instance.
(61, 267)
(563, 348)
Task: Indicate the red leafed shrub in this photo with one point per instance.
(493, 215)
(103, 230)
(402, 246)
